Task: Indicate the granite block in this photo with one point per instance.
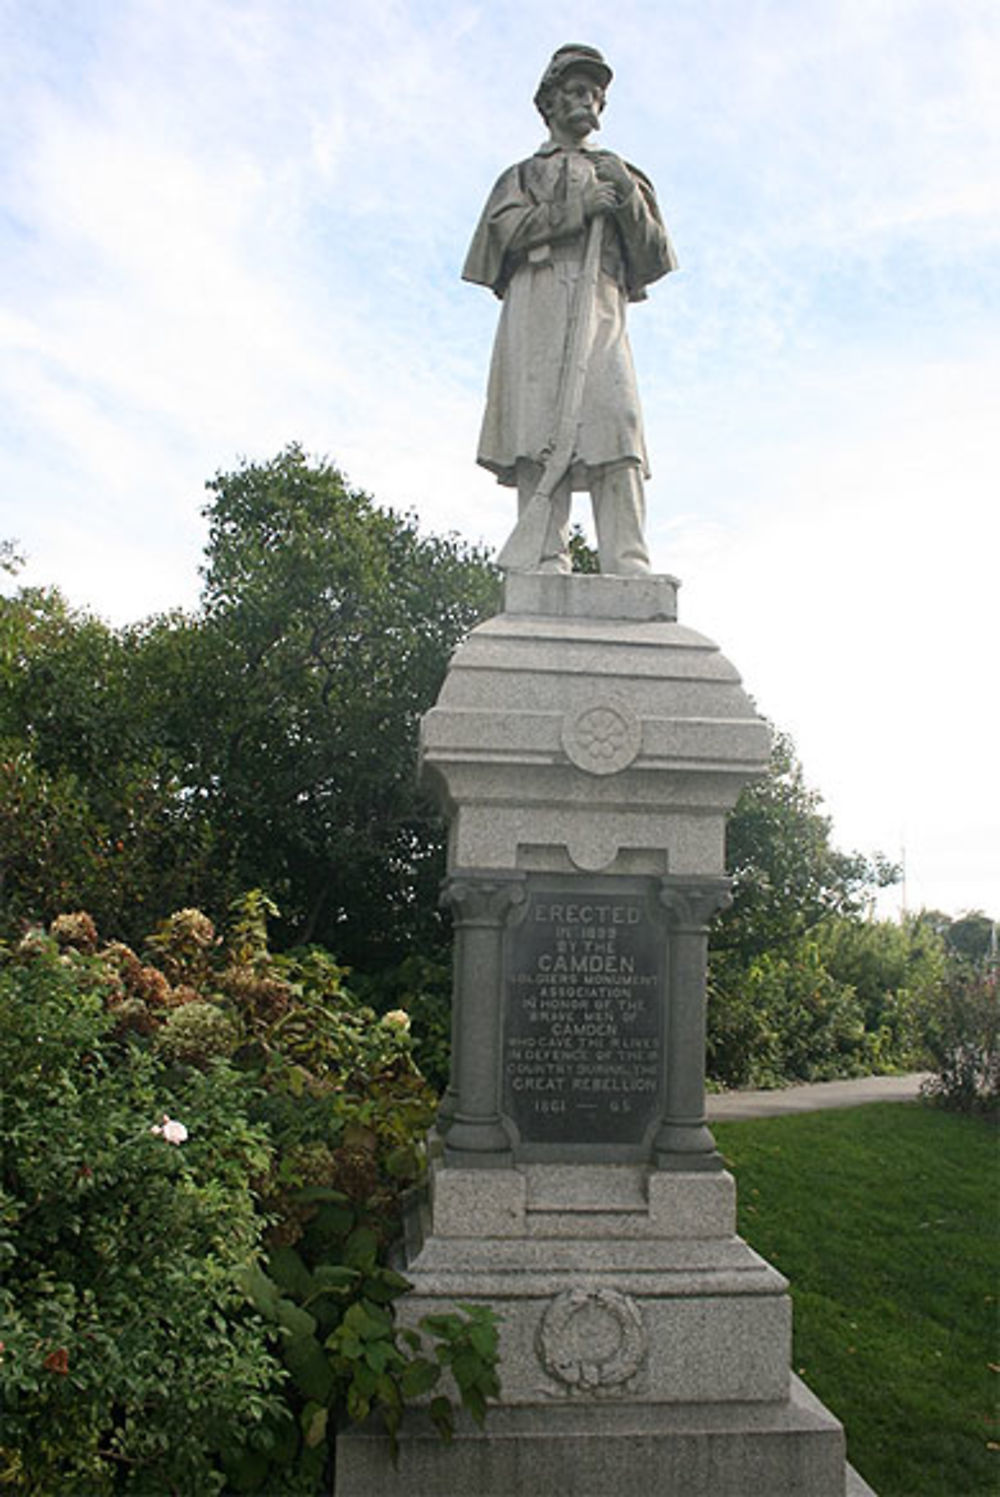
(645, 598)
(478, 1203)
(794, 1448)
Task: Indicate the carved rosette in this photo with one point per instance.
(592, 1340)
(603, 738)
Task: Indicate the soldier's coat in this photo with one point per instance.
(528, 248)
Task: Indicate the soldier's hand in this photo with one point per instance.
(599, 197)
(611, 171)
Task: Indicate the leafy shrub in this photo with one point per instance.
(785, 1019)
(203, 1165)
(130, 1355)
(420, 985)
(964, 1041)
(897, 972)
(330, 1299)
(197, 1031)
(853, 996)
(184, 944)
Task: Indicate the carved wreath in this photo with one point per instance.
(591, 1339)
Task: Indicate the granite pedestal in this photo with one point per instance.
(586, 748)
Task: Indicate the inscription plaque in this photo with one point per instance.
(584, 1012)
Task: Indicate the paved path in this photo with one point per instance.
(814, 1096)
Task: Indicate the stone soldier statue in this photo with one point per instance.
(566, 239)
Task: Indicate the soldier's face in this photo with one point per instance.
(576, 104)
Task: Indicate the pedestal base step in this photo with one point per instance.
(787, 1449)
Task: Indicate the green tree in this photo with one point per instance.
(972, 936)
(270, 739)
(582, 555)
(93, 810)
(11, 558)
(777, 1009)
(787, 875)
(326, 630)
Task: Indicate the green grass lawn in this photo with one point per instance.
(884, 1218)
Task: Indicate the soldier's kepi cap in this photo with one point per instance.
(573, 55)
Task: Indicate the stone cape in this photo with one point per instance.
(528, 248)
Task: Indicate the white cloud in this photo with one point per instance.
(235, 225)
(857, 598)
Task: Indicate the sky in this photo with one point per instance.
(228, 225)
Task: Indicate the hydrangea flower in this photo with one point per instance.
(171, 1130)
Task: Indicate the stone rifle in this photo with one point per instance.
(523, 549)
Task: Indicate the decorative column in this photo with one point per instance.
(473, 1132)
(448, 1105)
(684, 1141)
